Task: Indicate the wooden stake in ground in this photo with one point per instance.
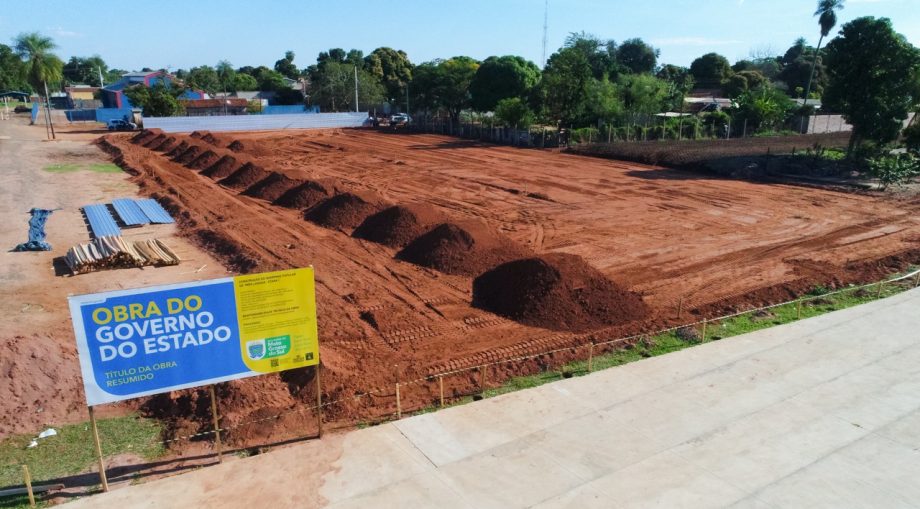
(102, 478)
(398, 403)
(703, 335)
(319, 404)
(879, 294)
(798, 310)
(590, 356)
(482, 380)
(216, 418)
(441, 388)
(680, 307)
(27, 479)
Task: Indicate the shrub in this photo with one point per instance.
(894, 169)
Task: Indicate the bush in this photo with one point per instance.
(514, 112)
(912, 137)
(585, 135)
(894, 169)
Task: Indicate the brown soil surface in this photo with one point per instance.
(400, 224)
(468, 248)
(204, 160)
(222, 168)
(556, 291)
(272, 187)
(306, 195)
(663, 234)
(247, 175)
(345, 211)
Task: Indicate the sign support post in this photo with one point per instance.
(218, 446)
(102, 477)
(27, 478)
(319, 404)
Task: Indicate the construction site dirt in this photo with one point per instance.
(274, 200)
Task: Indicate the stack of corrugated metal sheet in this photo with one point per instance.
(100, 221)
(129, 212)
(115, 253)
(154, 211)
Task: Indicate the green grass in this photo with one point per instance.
(72, 451)
(71, 167)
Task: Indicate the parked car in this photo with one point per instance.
(121, 125)
(21, 109)
(400, 118)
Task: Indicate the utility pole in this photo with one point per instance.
(356, 89)
(101, 81)
(48, 111)
(545, 27)
(407, 98)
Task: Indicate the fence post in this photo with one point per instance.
(319, 404)
(27, 479)
(398, 403)
(798, 310)
(680, 306)
(591, 356)
(703, 335)
(441, 388)
(102, 478)
(482, 379)
(917, 280)
(744, 134)
(216, 419)
(878, 295)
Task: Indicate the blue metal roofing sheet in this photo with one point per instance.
(154, 211)
(129, 212)
(100, 221)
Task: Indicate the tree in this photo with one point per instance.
(565, 84)
(500, 78)
(680, 83)
(710, 70)
(40, 66)
(764, 107)
(741, 82)
(85, 70)
(600, 54)
(827, 19)
(11, 71)
(156, 101)
(637, 57)
(203, 78)
(335, 89)
(797, 69)
(244, 82)
(514, 112)
(392, 68)
(286, 66)
(226, 76)
(643, 95)
(605, 100)
(873, 79)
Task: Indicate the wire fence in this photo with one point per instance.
(475, 380)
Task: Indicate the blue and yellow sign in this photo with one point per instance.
(146, 341)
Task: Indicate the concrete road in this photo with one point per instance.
(820, 413)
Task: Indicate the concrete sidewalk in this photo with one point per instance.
(820, 413)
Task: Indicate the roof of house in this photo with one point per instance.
(214, 103)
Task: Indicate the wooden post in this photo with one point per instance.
(398, 403)
(798, 310)
(878, 294)
(703, 335)
(218, 446)
(917, 280)
(102, 478)
(590, 356)
(482, 379)
(680, 307)
(319, 404)
(441, 388)
(27, 478)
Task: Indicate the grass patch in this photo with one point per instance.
(72, 167)
(72, 451)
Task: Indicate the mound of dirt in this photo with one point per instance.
(345, 211)
(399, 224)
(210, 138)
(204, 160)
(224, 167)
(163, 146)
(247, 175)
(178, 149)
(236, 146)
(306, 195)
(467, 248)
(145, 136)
(154, 141)
(272, 187)
(187, 156)
(558, 291)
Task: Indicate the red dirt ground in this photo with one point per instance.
(662, 234)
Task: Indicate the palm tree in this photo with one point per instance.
(827, 18)
(41, 66)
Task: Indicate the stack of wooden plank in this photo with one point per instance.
(113, 252)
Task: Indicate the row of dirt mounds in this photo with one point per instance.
(247, 175)
(178, 149)
(188, 155)
(345, 211)
(272, 187)
(205, 136)
(399, 225)
(204, 160)
(307, 194)
(221, 168)
(556, 291)
(465, 248)
(236, 146)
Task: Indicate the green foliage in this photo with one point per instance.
(445, 84)
(797, 64)
(598, 53)
(514, 112)
(911, 136)
(585, 135)
(500, 78)
(226, 76)
(636, 56)
(203, 78)
(743, 81)
(335, 88)
(716, 119)
(643, 95)
(873, 75)
(763, 108)
(244, 82)
(12, 71)
(894, 169)
(605, 100)
(41, 66)
(85, 70)
(155, 101)
(392, 69)
(710, 70)
(286, 66)
(566, 81)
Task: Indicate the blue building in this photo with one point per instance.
(113, 96)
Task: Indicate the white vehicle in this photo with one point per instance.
(400, 118)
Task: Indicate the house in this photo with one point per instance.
(207, 107)
(113, 95)
(82, 97)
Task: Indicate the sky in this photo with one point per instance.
(180, 34)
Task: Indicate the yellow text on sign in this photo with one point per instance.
(277, 319)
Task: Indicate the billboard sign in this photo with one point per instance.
(147, 341)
